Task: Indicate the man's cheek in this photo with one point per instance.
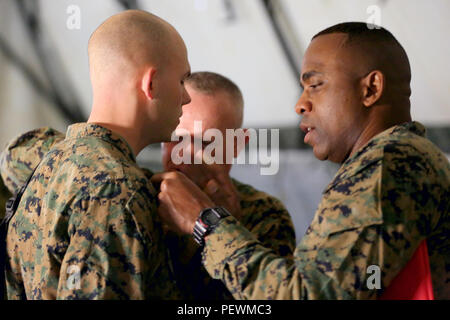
(321, 136)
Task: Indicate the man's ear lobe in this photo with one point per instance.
(373, 87)
(147, 85)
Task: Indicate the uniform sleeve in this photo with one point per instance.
(266, 218)
(272, 225)
(112, 251)
(4, 196)
(343, 244)
(24, 153)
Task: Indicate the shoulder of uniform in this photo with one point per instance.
(23, 153)
(97, 162)
(389, 149)
(247, 191)
(414, 153)
(251, 194)
(148, 173)
(97, 153)
(243, 188)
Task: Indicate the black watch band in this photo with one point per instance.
(207, 222)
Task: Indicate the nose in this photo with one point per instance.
(186, 97)
(303, 104)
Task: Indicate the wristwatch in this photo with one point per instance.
(207, 222)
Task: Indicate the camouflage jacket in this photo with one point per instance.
(263, 215)
(383, 202)
(86, 227)
(4, 196)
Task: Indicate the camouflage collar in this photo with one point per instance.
(81, 130)
(414, 127)
(372, 151)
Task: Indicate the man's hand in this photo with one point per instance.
(222, 191)
(180, 201)
(215, 181)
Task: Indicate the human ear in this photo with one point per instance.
(147, 85)
(373, 87)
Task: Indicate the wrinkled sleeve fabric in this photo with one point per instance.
(4, 196)
(23, 154)
(265, 217)
(378, 216)
(112, 249)
(272, 225)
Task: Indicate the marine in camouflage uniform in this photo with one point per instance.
(387, 198)
(263, 215)
(89, 213)
(4, 196)
(24, 153)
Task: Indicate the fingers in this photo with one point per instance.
(196, 173)
(224, 194)
(180, 201)
(159, 177)
(167, 219)
(212, 187)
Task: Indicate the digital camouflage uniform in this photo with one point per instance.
(263, 215)
(383, 202)
(4, 196)
(23, 154)
(88, 208)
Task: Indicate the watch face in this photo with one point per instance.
(210, 218)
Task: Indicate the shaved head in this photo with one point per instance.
(129, 40)
(138, 63)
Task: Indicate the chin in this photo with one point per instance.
(322, 156)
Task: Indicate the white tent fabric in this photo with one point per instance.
(235, 38)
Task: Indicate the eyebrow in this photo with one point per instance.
(308, 75)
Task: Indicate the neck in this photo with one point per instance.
(111, 116)
(124, 132)
(378, 124)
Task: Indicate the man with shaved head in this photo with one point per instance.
(138, 65)
(218, 104)
(386, 209)
(86, 227)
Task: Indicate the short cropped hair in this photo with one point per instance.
(379, 42)
(210, 83)
(359, 30)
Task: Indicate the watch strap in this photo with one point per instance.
(202, 229)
